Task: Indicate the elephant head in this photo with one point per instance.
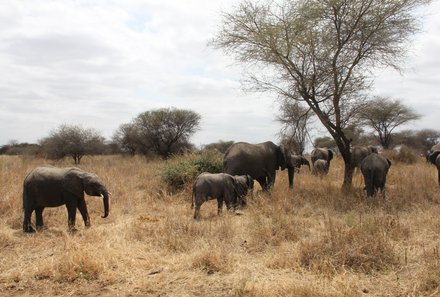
(433, 158)
(297, 161)
(322, 154)
(77, 182)
(242, 185)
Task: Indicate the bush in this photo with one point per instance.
(404, 155)
(181, 170)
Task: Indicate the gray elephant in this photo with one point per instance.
(322, 154)
(434, 148)
(320, 167)
(374, 168)
(297, 161)
(434, 158)
(220, 186)
(260, 161)
(358, 153)
(52, 187)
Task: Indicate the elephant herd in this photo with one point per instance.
(243, 163)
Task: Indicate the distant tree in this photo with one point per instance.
(383, 115)
(421, 141)
(295, 119)
(325, 141)
(319, 52)
(220, 146)
(73, 141)
(15, 148)
(166, 131)
(127, 138)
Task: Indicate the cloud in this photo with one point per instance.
(101, 63)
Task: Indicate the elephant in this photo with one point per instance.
(358, 153)
(260, 161)
(322, 154)
(51, 187)
(320, 167)
(434, 158)
(434, 148)
(374, 168)
(220, 186)
(298, 160)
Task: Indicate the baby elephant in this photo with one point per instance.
(51, 187)
(220, 186)
(374, 168)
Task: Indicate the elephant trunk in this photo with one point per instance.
(291, 173)
(307, 163)
(106, 204)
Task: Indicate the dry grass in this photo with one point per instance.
(313, 241)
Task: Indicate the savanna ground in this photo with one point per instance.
(313, 241)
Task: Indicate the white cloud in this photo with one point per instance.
(100, 63)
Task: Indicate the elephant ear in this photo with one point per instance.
(281, 157)
(433, 157)
(330, 155)
(72, 182)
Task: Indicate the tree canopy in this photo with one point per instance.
(383, 115)
(319, 52)
(164, 132)
(73, 141)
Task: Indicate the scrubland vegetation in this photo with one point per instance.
(314, 241)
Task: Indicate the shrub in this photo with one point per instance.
(181, 170)
(405, 155)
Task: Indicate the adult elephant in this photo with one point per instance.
(52, 187)
(321, 154)
(320, 167)
(297, 161)
(374, 168)
(358, 153)
(260, 161)
(220, 186)
(434, 158)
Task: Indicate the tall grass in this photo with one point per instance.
(313, 241)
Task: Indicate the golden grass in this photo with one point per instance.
(314, 241)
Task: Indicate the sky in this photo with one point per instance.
(99, 64)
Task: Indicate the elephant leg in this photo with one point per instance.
(197, 212)
(71, 216)
(27, 227)
(82, 207)
(219, 205)
(197, 202)
(39, 218)
(262, 182)
(438, 177)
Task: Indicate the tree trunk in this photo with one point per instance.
(348, 170)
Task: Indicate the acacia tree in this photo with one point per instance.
(383, 115)
(126, 138)
(165, 131)
(74, 141)
(319, 52)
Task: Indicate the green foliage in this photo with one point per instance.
(181, 170)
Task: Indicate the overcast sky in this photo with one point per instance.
(101, 63)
